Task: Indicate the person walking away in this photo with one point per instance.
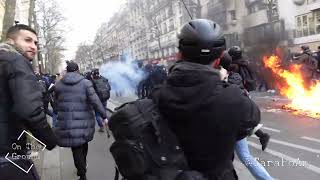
(102, 88)
(21, 106)
(76, 102)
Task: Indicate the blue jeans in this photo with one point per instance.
(255, 168)
(99, 119)
(54, 119)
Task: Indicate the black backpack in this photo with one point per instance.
(102, 88)
(144, 147)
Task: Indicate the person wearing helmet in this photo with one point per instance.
(309, 65)
(199, 106)
(241, 66)
(242, 147)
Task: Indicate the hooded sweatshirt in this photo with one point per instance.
(205, 113)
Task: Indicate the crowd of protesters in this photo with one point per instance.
(211, 87)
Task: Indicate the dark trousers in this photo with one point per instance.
(80, 158)
(11, 172)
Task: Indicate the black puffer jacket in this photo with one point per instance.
(21, 106)
(207, 115)
(76, 101)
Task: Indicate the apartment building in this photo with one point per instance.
(2, 9)
(22, 11)
(147, 29)
(228, 14)
(164, 23)
(307, 24)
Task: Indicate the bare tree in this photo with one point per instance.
(8, 19)
(85, 56)
(50, 26)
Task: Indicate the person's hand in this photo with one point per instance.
(223, 74)
(105, 122)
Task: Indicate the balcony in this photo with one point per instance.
(255, 19)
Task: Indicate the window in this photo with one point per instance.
(317, 21)
(233, 15)
(311, 1)
(308, 24)
(305, 25)
(171, 25)
(180, 8)
(252, 9)
(164, 28)
(311, 25)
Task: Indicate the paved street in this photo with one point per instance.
(293, 138)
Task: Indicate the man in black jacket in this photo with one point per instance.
(241, 66)
(21, 106)
(206, 114)
(102, 87)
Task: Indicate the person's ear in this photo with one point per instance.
(10, 41)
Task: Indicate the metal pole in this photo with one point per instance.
(187, 9)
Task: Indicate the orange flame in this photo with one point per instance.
(304, 101)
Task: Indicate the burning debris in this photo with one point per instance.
(305, 96)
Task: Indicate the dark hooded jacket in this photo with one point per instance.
(206, 114)
(21, 106)
(76, 101)
(242, 67)
(309, 64)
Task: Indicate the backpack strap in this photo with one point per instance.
(116, 173)
(151, 115)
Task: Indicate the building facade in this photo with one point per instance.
(2, 9)
(146, 30)
(22, 11)
(307, 24)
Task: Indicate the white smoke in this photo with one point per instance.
(124, 76)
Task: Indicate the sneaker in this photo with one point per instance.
(264, 140)
(101, 129)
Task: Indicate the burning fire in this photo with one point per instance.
(305, 101)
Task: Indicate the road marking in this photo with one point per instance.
(311, 139)
(270, 129)
(317, 151)
(286, 157)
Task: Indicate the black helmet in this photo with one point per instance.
(305, 48)
(235, 52)
(87, 75)
(95, 72)
(201, 41)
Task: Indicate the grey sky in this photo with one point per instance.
(85, 17)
